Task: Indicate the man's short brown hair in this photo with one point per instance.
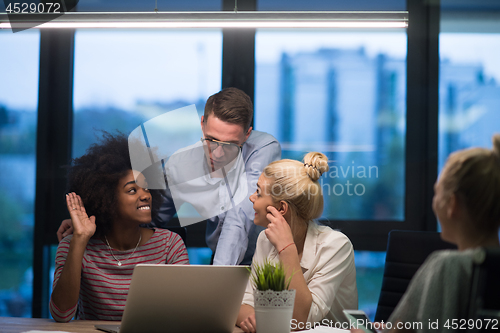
(231, 105)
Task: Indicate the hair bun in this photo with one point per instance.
(316, 164)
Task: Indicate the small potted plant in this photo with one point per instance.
(273, 300)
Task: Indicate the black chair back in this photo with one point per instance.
(484, 306)
(406, 252)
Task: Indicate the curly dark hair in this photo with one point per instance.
(95, 177)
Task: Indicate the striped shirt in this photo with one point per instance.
(104, 285)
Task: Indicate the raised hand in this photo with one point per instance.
(278, 230)
(83, 226)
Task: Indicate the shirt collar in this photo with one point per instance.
(310, 246)
(236, 166)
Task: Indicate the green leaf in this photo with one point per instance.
(270, 276)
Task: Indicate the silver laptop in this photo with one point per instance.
(182, 298)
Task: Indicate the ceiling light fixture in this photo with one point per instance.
(223, 19)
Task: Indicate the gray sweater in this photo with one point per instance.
(437, 294)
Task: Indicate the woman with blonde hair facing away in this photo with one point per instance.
(466, 203)
(320, 260)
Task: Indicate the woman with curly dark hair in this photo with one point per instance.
(108, 208)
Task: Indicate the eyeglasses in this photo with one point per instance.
(229, 148)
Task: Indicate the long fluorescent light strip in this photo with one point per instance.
(180, 25)
(213, 20)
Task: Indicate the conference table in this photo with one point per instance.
(18, 325)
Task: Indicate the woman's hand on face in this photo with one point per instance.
(83, 225)
(249, 325)
(278, 230)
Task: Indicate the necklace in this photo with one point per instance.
(111, 250)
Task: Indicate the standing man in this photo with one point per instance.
(227, 130)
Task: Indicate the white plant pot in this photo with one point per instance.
(274, 310)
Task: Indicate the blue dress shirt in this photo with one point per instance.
(232, 234)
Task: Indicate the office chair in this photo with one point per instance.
(484, 306)
(406, 252)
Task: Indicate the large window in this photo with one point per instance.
(343, 94)
(469, 91)
(18, 119)
(469, 76)
(126, 78)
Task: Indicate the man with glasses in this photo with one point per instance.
(231, 149)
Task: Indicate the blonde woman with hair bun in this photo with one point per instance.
(288, 198)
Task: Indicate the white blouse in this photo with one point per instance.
(328, 267)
